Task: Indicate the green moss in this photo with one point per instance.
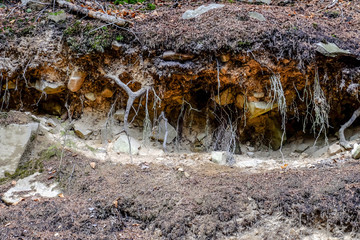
(24, 170)
(151, 6)
(243, 45)
(88, 38)
(117, 2)
(57, 13)
(119, 38)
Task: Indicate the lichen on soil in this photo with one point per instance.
(224, 81)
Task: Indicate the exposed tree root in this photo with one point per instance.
(92, 14)
(132, 96)
(343, 141)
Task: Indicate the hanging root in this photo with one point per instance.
(162, 116)
(343, 141)
(132, 96)
(277, 94)
(321, 108)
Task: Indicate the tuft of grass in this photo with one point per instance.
(56, 13)
(151, 6)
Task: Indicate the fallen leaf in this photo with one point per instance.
(61, 195)
(93, 165)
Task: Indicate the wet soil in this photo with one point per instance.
(149, 201)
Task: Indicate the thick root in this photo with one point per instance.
(343, 142)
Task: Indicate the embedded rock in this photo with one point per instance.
(226, 97)
(107, 93)
(334, 149)
(189, 14)
(28, 187)
(82, 130)
(330, 49)
(159, 132)
(90, 96)
(173, 56)
(57, 16)
(76, 80)
(49, 87)
(258, 108)
(257, 16)
(14, 141)
(355, 153)
(121, 145)
(218, 157)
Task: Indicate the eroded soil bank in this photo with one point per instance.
(246, 70)
(244, 76)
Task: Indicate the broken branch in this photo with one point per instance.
(92, 14)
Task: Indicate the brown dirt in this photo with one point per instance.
(148, 201)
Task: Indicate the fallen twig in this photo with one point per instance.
(101, 16)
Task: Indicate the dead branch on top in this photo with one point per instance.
(97, 15)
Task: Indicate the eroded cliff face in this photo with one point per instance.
(261, 84)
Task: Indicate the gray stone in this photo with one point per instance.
(14, 141)
(49, 87)
(301, 147)
(204, 139)
(355, 153)
(121, 145)
(28, 187)
(334, 149)
(250, 154)
(173, 56)
(50, 122)
(320, 152)
(189, 14)
(119, 115)
(82, 130)
(159, 132)
(218, 157)
(251, 149)
(330, 49)
(57, 16)
(257, 16)
(90, 96)
(354, 137)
